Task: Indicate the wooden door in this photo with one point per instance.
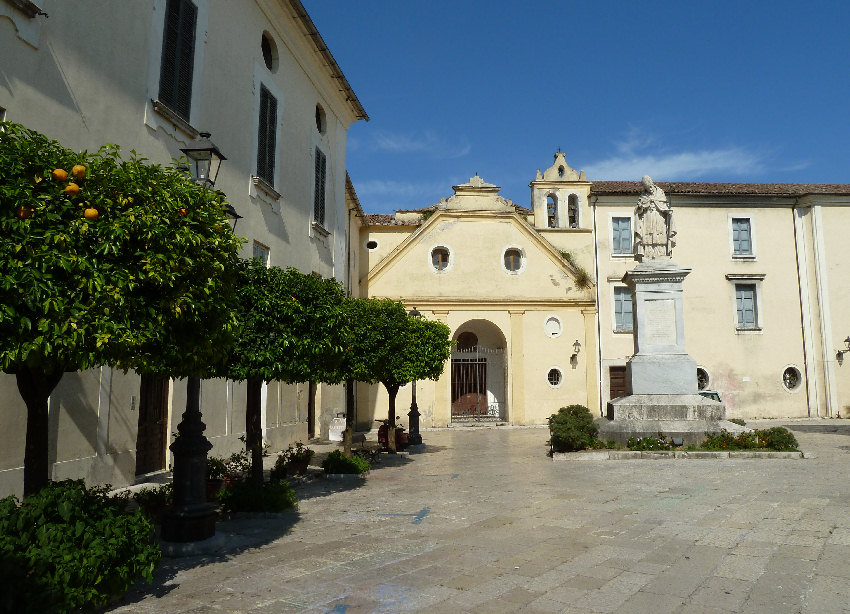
(153, 425)
(617, 381)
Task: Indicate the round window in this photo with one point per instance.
(467, 341)
(554, 376)
(370, 245)
(513, 259)
(792, 378)
(440, 258)
(269, 50)
(702, 379)
(552, 326)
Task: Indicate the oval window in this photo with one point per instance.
(792, 378)
(554, 376)
(552, 326)
(702, 379)
(371, 245)
(440, 258)
(513, 259)
(269, 50)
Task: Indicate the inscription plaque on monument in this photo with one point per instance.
(660, 322)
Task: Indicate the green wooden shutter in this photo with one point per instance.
(267, 136)
(178, 56)
(319, 195)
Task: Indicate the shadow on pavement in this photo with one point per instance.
(839, 429)
(236, 535)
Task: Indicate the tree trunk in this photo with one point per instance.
(35, 387)
(392, 391)
(349, 418)
(253, 428)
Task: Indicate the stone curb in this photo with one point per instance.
(345, 476)
(667, 454)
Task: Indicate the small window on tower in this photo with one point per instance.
(572, 210)
(551, 211)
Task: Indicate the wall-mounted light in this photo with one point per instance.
(574, 357)
(839, 355)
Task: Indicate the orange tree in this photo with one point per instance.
(387, 345)
(104, 262)
(291, 327)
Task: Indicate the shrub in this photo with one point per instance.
(738, 421)
(71, 548)
(650, 443)
(777, 438)
(572, 429)
(153, 501)
(216, 468)
(246, 496)
(774, 438)
(336, 462)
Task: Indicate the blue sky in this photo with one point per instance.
(699, 91)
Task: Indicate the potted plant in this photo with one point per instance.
(216, 470)
(296, 458)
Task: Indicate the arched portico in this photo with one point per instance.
(479, 372)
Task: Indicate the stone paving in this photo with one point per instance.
(483, 521)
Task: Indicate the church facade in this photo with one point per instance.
(541, 316)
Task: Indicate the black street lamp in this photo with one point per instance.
(191, 517)
(414, 438)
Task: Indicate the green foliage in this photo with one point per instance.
(775, 438)
(247, 496)
(336, 462)
(650, 443)
(583, 279)
(237, 465)
(216, 468)
(291, 326)
(598, 444)
(572, 429)
(737, 421)
(387, 345)
(153, 500)
(69, 548)
(144, 286)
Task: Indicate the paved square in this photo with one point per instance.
(484, 521)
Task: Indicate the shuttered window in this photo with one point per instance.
(319, 196)
(178, 56)
(621, 235)
(266, 142)
(745, 302)
(742, 244)
(622, 309)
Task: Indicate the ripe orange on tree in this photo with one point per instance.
(60, 174)
(72, 189)
(183, 211)
(91, 214)
(79, 171)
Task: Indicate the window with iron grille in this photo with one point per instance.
(266, 140)
(742, 244)
(623, 309)
(178, 56)
(440, 258)
(621, 235)
(319, 196)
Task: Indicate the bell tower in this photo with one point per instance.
(559, 197)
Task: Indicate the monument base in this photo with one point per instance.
(672, 373)
(684, 416)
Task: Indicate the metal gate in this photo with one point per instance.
(471, 399)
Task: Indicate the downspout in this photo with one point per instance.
(598, 329)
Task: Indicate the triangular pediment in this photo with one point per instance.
(476, 243)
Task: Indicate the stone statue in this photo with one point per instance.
(655, 231)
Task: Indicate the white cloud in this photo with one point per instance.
(424, 142)
(638, 154)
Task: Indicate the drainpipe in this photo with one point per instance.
(598, 330)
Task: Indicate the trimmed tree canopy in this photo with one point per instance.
(291, 326)
(104, 261)
(391, 347)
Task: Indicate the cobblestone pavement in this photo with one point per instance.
(484, 521)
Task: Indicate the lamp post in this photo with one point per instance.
(839, 355)
(414, 438)
(574, 357)
(190, 517)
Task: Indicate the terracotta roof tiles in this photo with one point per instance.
(727, 189)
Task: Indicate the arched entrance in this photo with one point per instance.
(479, 390)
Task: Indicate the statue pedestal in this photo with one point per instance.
(661, 378)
